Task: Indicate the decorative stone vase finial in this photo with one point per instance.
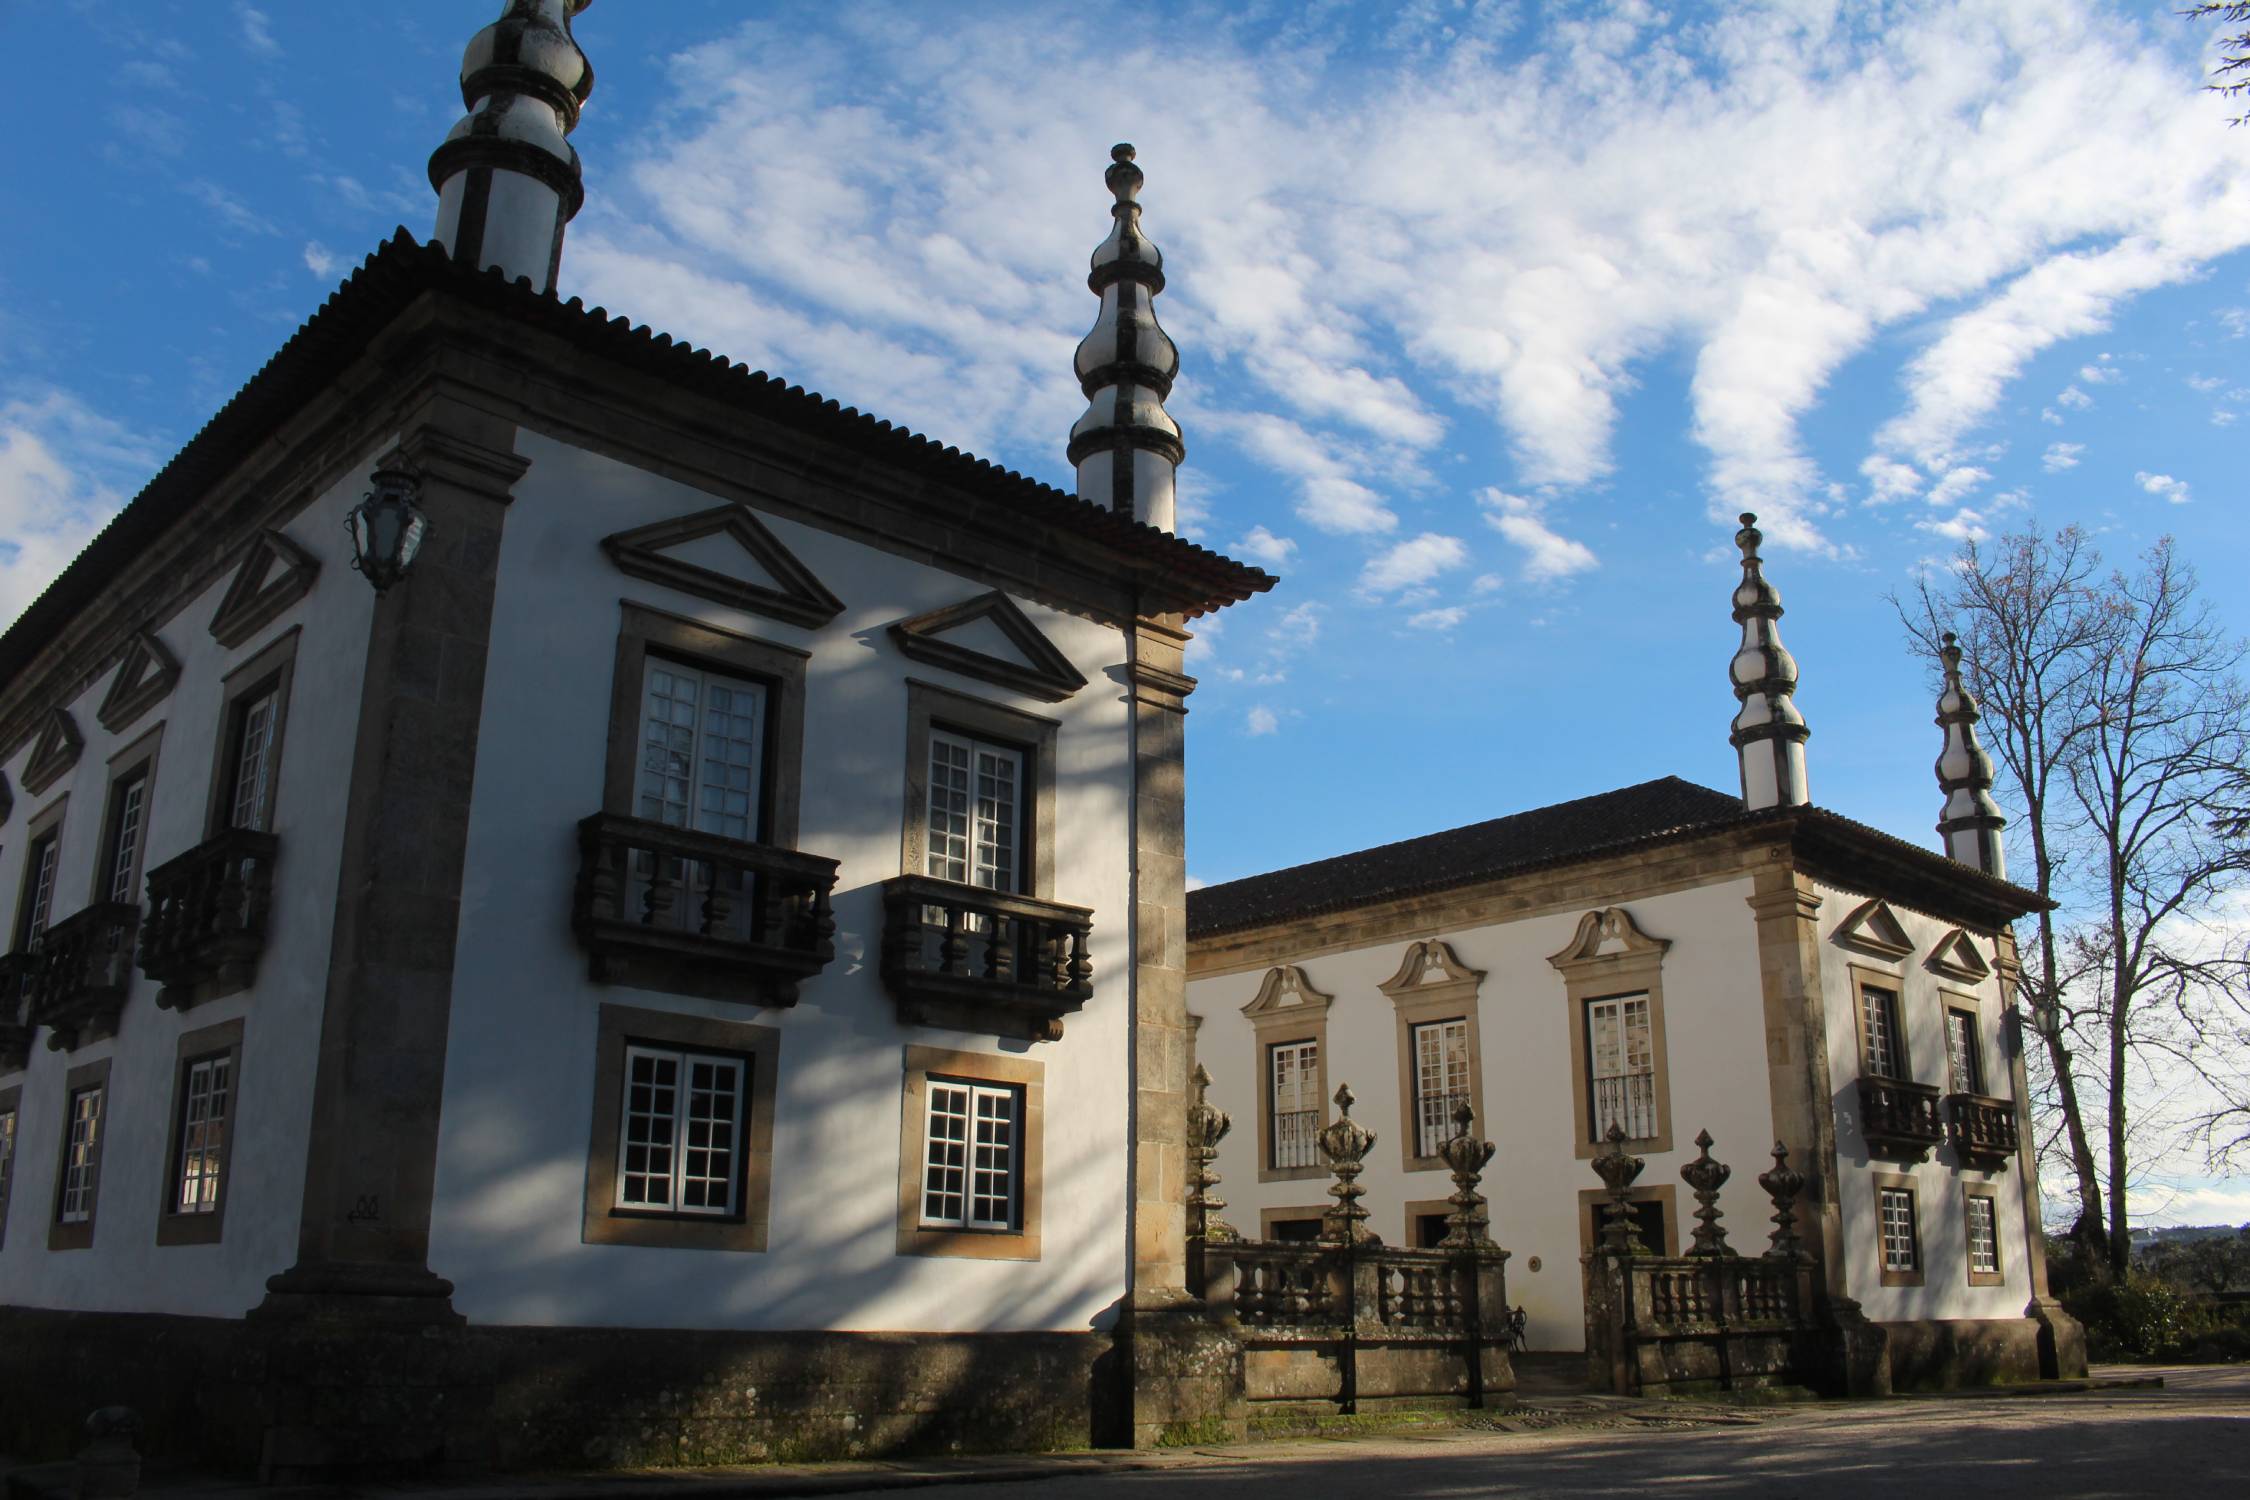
(1345, 1143)
(1468, 1225)
(1617, 1171)
(1705, 1176)
(1782, 1184)
(1207, 1125)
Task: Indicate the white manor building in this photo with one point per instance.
(1664, 960)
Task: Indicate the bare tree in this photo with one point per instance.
(2231, 77)
(2119, 725)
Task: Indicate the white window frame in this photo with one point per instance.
(7, 1160)
(1899, 1235)
(972, 1155)
(128, 826)
(250, 776)
(1964, 1067)
(206, 1113)
(1295, 1111)
(680, 1145)
(39, 894)
(82, 1154)
(1990, 1244)
(990, 855)
(1879, 1039)
(1443, 1064)
(1615, 1103)
(695, 776)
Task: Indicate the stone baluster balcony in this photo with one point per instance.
(695, 913)
(1982, 1131)
(206, 923)
(85, 969)
(989, 960)
(1899, 1118)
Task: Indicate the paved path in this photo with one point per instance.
(2190, 1440)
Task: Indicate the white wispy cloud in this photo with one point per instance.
(1548, 555)
(318, 260)
(1956, 483)
(1261, 720)
(2102, 372)
(2074, 398)
(2061, 456)
(1412, 563)
(2163, 486)
(256, 29)
(64, 468)
(1439, 620)
(1262, 546)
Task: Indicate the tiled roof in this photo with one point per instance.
(402, 268)
(1829, 845)
(1520, 841)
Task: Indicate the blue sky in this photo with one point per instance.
(1491, 316)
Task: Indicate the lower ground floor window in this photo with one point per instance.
(1982, 1213)
(1900, 1233)
(970, 1130)
(680, 1149)
(970, 1157)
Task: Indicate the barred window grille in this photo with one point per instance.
(1620, 1041)
(1984, 1236)
(972, 1162)
(1296, 1104)
(1961, 1059)
(81, 1156)
(1900, 1250)
(1878, 1009)
(203, 1134)
(1441, 1081)
(681, 1134)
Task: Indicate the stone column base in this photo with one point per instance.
(1862, 1351)
(2062, 1340)
(1187, 1377)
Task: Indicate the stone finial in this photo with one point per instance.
(507, 178)
(1705, 1176)
(1468, 1225)
(1126, 447)
(1782, 1184)
(1345, 1143)
(1971, 822)
(1769, 733)
(1617, 1169)
(1207, 1125)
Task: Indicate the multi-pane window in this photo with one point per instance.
(702, 751)
(39, 889)
(1878, 1023)
(972, 1157)
(1984, 1235)
(249, 800)
(128, 822)
(1441, 1080)
(1901, 1252)
(204, 1109)
(680, 1133)
(7, 1160)
(976, 811)
(81, 1157)
(1294, 1078)
(1963, 1066)
(1621, 1064)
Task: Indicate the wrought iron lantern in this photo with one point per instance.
(387, 528)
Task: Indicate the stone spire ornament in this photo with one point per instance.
(507, 180)
(1617, 1169)
(1207, 1125)
(1469, 1224)
(1782, 1184)
(1126, 448)
(1971, 822)
(1705, 1176)
(1769, 734)
(1345, 1143)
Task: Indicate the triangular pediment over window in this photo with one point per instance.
(988, 637)
(1956, 957)
(53, 751)
(1873, 929)
(725, 554)
(274, 574)
(143, 679)
(1287, 988)
(1430, 968)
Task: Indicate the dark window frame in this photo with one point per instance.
(204, 1044)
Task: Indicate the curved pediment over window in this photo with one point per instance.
(1957, 957)
(1874, 928)
(1430, 969)
(727, 555)
(1607, 936)
(1288, 989)
(989, 638)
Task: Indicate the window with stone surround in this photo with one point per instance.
(206, 1095)
(980, 793)
(976, 811)
(1621, 1066)
(1898, 1228)
(1293, 1086)
(246, 775)
(681, 1151)
(11, 1100)
(1441, 1080)
(78, 1169)
(1882, 1048)
(35, 903)
(132, 778)
(970, 1149)
(1980, 1211)
(1964, 1062)
(1434, 997)
(1289, 1022)
(1613, 978)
